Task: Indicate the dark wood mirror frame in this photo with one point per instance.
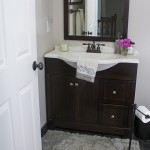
(75, 3)
(95, 38)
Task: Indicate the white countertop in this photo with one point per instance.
(102, 58)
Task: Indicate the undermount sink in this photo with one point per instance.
(101, 58)
(105, 59)
(95, 56)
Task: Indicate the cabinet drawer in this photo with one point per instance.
(113, 116)
(116, 92)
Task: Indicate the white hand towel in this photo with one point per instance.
(72, 24)
(86, 69)
(82, 20)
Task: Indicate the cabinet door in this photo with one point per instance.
(116, 92)
(63, 98)
(87, 101)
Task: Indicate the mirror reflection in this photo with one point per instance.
(101, 18)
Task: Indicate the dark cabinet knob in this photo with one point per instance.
(40, 66)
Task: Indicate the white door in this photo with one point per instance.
(91, 16)
(19, 102)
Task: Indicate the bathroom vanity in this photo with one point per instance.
(104, 106)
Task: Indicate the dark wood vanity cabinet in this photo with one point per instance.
(104, 106)
(63, 97)
(87, 98)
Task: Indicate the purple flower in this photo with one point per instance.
(119, 42)
(125, 43)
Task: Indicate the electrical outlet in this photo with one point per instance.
(49, 24)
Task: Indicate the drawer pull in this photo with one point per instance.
(76, 84)
(71, 84)
(112, 116)
(114, 92)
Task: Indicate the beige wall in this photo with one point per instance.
(139, 31)
(58, 25)
(44, 44)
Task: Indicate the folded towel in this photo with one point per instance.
(72, 24)
(80, 23)
(86, 69)
(82, 19)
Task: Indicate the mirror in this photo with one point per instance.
(99, 20)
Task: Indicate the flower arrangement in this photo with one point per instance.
(124, 44)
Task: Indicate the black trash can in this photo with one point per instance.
(141, 130)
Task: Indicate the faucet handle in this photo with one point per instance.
(89, 47)
(98, 48)
(86, 44)
(100, 44)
